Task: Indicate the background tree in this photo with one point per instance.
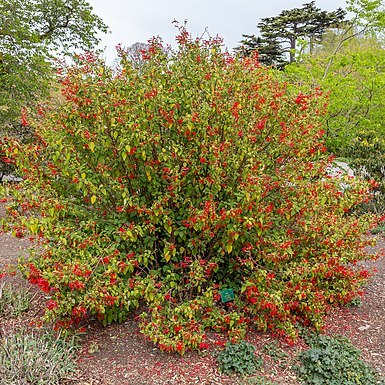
(285, 30)
(369, 15)
(32, 33)
(134, 53)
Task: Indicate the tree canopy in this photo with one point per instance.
(31, 32)
(280, 34)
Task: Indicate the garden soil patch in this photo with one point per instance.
(120, 355)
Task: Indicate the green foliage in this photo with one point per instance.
(370, 14)
(239, 358)
(35, 359)
(164, 184)
(367, 153)
(14, 301)
(355, 77)
(334, 361)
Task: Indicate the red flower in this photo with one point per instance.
(203, 345)
(151, 94)
(43, 284)
(76, 285)
(112, 278)
(180, 347)
(110, 300)
(301, 99)
(130, 255)
(51, 304)
(235, 110)
(261, 124)
(79, 311)
(270, 276)
(24, 121)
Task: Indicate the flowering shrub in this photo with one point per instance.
(164, 183)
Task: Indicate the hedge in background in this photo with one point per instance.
(164, 183)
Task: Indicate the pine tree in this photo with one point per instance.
(280, 34)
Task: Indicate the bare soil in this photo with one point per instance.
(120, 355)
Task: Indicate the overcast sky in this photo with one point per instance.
(132, 21)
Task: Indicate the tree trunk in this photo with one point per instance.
(292, 49)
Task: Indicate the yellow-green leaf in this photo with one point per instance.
(168, 228)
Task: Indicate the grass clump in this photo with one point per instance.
(36, 359)
(14, 302)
